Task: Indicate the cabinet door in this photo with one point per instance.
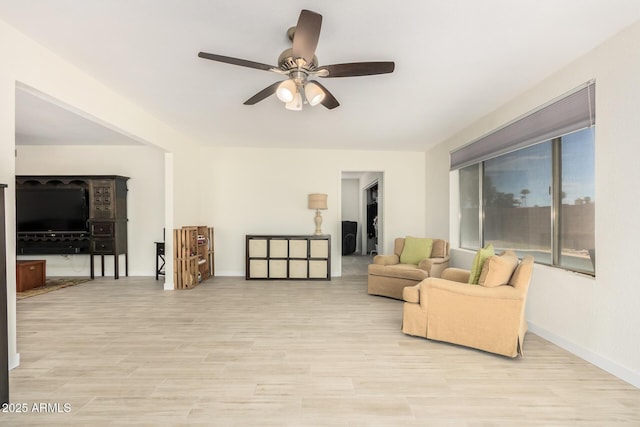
(277, 269)
(258, 269)
(278, 248)
(102, 199)
(257, 248)
(298, 248)
(317, 269)
(298, 269)
(319, 248)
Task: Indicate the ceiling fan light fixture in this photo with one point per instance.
(299, 63)
(313, 93)
(286, 91)
(296, 103)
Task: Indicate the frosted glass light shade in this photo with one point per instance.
(286, 91)
(296, 103)
(314, 93)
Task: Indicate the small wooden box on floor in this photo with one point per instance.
(30, 274)
(192, 256)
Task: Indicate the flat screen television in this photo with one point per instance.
(51, 210)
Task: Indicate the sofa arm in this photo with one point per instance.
(386, 259)
(434, 266)
(456, 275)
(411, 293)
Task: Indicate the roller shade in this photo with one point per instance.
(569, 113)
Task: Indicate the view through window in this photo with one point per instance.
(538, 201)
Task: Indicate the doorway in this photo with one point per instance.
(362, 219)
(371, 220)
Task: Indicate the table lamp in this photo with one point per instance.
(318, 202)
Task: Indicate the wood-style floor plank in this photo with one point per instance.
(232, 352)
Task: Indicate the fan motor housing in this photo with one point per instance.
(287, 62)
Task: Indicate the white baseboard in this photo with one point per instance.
(603, 363)
(230, 273)
(14, 360)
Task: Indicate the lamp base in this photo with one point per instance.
(318, 221)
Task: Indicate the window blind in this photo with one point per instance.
(571, 112)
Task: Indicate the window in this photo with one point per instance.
(577, 204)
(537, 201)
(529, 185)
(517, 203)
(470, 206)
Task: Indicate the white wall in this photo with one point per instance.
(437, 201)
(145, 198)
(264, 191)
(597, 319)
(350, 200)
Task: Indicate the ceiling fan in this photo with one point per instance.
(300, 65)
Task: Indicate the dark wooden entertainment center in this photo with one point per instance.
(103, 233)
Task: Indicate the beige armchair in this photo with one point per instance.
(387, 276)
(487, 318)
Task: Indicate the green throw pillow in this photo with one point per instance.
(478, 262)
(415, 250)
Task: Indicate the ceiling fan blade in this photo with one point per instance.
(237, 61)
(264, 93)
(354, 69)
(329, 100)
(307, 33)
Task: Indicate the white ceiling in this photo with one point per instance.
(456, 60)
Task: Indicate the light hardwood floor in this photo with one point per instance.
(256, 353)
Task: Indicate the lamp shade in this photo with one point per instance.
(314, 93)
(317, 201)
(296, 103)
(286, 90)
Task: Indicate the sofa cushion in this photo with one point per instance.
(439, 249)
(478, 262)
(415, 249)
(497, 269)
(386, 259)
(401, 271)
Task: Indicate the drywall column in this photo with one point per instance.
(7, 175)
(168, 221)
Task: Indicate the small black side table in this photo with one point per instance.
(159, 259)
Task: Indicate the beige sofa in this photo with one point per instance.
(387, 277)
(487, 318)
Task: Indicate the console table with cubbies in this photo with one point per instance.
(281, 257)
(192, 256)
